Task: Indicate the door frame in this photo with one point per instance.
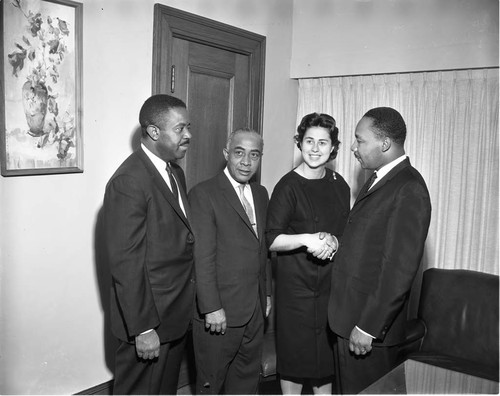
(170, 23)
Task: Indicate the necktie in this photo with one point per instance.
(371, 180)
(248, 207)
(173, 184)
(369, 183)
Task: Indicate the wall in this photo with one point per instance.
(51, 321)
(340, 37)
(52, 335)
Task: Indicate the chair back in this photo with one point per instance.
(460, 310)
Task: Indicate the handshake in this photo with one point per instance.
(322, 245)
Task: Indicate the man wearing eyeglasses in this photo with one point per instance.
(232, 271)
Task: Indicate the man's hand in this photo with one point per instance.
(268, 306)
(147, 345)
(360, 343)
(216, 321)
(322, 245)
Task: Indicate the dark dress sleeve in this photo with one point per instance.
(280, 210)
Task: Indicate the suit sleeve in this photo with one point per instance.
(205, 250)
(125, 224)
(406, 232)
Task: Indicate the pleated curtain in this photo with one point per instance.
(452, 139)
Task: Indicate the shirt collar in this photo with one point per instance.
(388, 167)
(236, 184)
(157, 161)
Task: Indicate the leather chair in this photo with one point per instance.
(268, 360)
(457, 322)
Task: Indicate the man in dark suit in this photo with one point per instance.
(379, 253)
(232, 271)
(150, 253)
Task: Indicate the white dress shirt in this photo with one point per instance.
(386, 169)
(162, 168)
(247, 191)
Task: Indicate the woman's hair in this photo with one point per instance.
(319, 120)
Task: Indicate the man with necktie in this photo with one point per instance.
(149, 245)
(379, 253)
(232, 271)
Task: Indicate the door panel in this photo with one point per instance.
(218, 71)
(211, 94)
(209, 74)
(210, 57)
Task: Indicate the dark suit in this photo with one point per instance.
(375, 265)
(233, 273)
(150, 254)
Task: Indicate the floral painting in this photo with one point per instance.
(41, 67)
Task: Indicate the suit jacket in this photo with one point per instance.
(379, 255)
(150, 252)
(232, 268)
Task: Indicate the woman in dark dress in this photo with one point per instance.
(306, 214)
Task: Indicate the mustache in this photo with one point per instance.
(185, 142)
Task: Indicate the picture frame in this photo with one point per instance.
(41, 87)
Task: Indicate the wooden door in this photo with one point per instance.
(218, 70)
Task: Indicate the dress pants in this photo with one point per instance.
(229, 363)
(135, 376)
(358, 372)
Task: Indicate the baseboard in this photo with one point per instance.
(105, 388)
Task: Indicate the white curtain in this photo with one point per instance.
(452, 139)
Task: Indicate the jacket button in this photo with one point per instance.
(190, 238)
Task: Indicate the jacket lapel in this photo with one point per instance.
(183, 194)
(231, 196)
(386, 179)
(259, 211)
(158, 181)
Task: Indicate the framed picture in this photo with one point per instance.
(41, 87)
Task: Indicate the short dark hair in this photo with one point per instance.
(155, 106)
(319, 120)
(388, 123)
